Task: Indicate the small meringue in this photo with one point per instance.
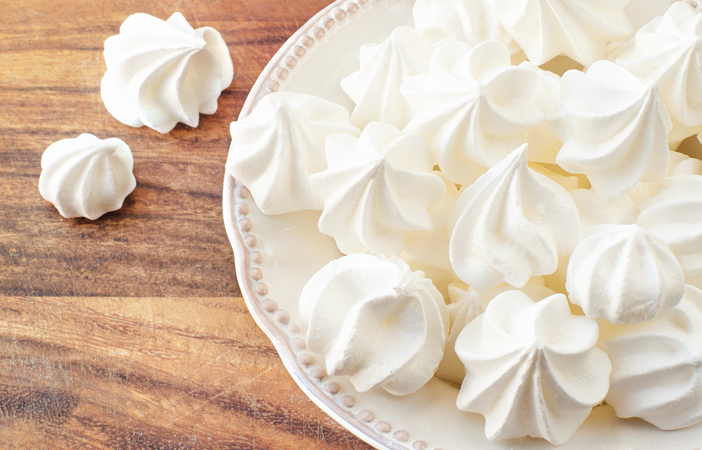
(579, 29)
(510, 225)
(657, 365)
(280, 144)
(160, 72)
(613, 128)
(376, 321)
(466, 304)
(624, 275)
(473, 107)
(375, 88)
(667, 51)
(675, 216)
(532, 369)
(87, 176)
(376, 189)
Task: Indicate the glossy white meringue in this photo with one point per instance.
(473, 107)
(579, 29)
(375, 88)
(510, 225)
(667, 51)
(160, 72)
(675, 217)
(613, 128)
(87, 176)
(657, 365)
(376, 189)
(376, 321)
(470, 21)
(280, 144)
(532, 369)
(624, 275)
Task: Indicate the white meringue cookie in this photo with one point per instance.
(87, 176)
(375, 88)
(595, 211)
(532, 368)
(613, 128)
(376, 189)
(467, 303)
(666, 51)
(160, 72)
(473, 107)
(470, 21)
(280, 144)
(624, 275)
(543, 142)
(510, 225)
(657, 365)
(579, 29)
(428, 250)
(376, 321)
(675, 217)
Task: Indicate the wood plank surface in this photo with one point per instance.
(129, 332)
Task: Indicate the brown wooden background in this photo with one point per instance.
(129, 332)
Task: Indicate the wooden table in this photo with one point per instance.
(129, 332)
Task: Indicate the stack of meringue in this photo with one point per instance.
(532, 237)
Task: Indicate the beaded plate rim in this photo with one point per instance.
(274, 321)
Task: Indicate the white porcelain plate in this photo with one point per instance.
(276, 256)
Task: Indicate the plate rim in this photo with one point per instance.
(275, 72)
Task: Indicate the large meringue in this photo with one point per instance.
(375, 88)
(675, 217)
(473, 107)
(532, 368)
(376, 321)
(579, 29)
(624, 275)
(470, 21)
(377, 188)
(160, 72)
(613, 128)
(280, 144)
(87, 176)
(657, 365)
(511, 224)
(667, 51)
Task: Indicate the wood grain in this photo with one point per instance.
(129, 332)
